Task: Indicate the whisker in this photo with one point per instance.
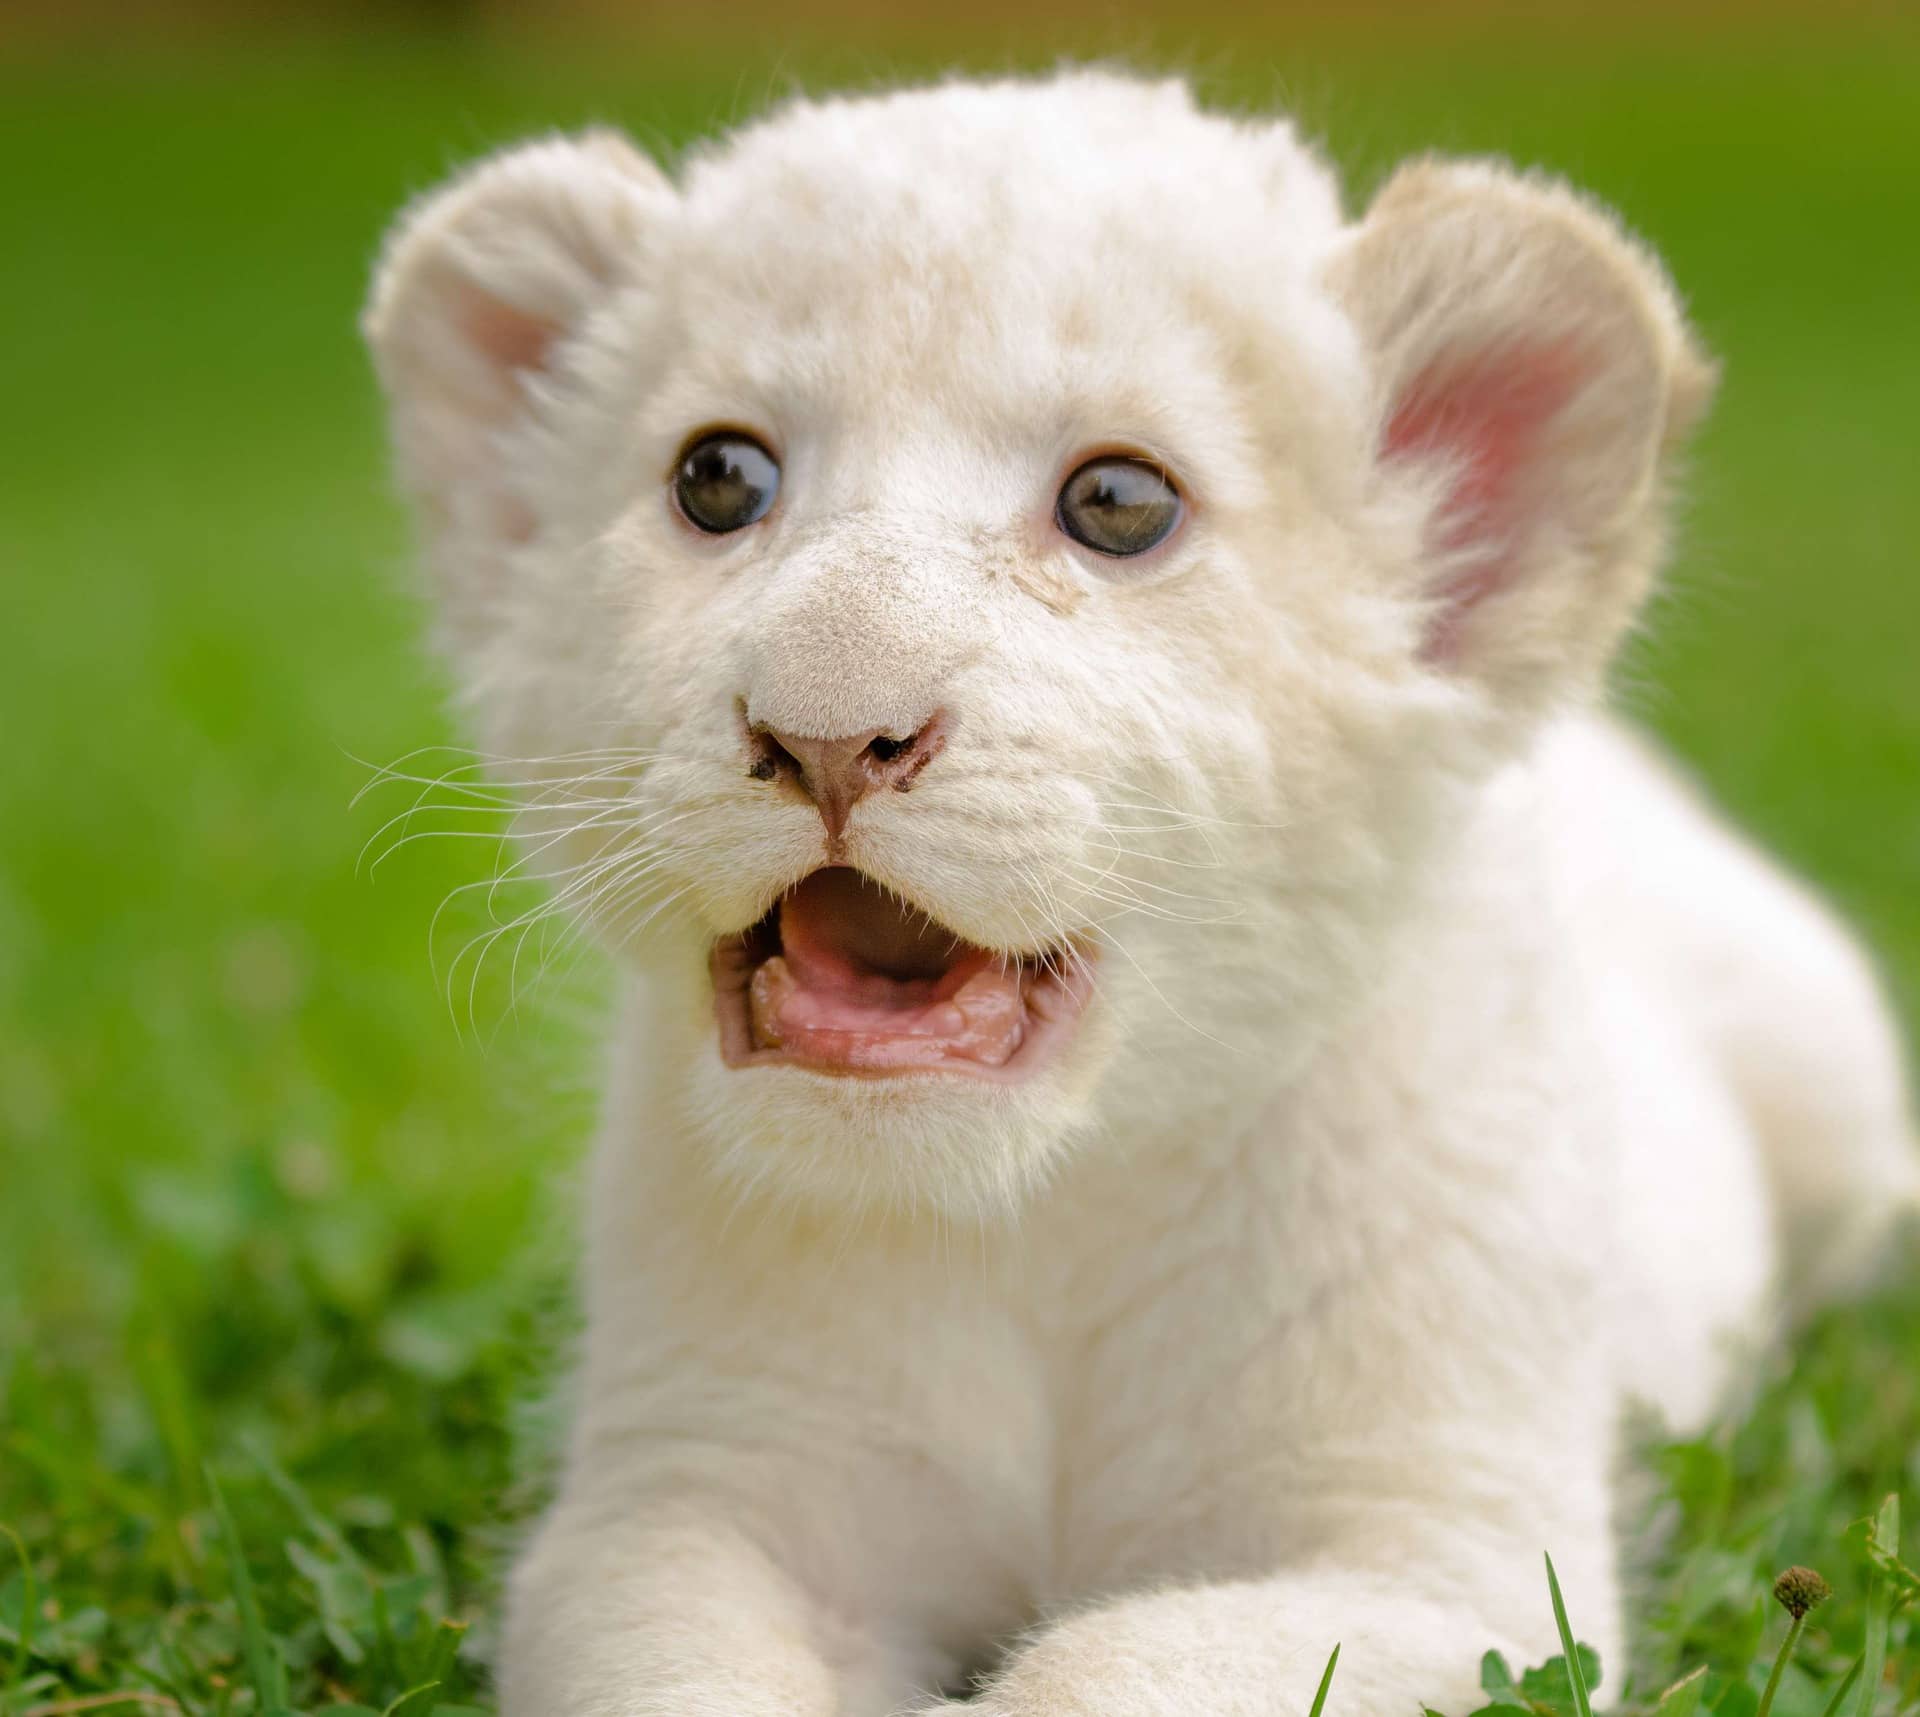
(385, 774)
(1113, 874)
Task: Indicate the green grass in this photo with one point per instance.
(282, 1252)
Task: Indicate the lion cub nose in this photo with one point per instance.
(836, 774)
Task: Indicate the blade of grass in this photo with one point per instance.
(101, 1702)
(1576, 1676)
(1873, 1661)
(414, 1699)
(169, 1399)
(446, 1647)
(316, 1524)
(386, 1642)
(1682, 1699)
(264, 1667)
(1326, 1681)
(1846, 1686)
(29, 1607)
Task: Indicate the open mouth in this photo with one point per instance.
(843, 977)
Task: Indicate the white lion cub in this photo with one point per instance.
(1174, 1075)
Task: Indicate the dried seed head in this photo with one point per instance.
(1800, 1590)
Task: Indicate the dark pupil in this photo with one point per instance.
(1118, 506)
(727, 482)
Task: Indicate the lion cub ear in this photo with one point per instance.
(478, 289)
(1534, 374)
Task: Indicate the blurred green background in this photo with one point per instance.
(257, 1187)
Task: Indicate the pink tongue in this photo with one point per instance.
(863, 981)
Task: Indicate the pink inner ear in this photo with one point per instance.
(508, 337)
(1488, 418)
(512, 342)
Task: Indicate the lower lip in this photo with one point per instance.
(1054, 1005)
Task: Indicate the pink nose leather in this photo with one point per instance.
(836, 774)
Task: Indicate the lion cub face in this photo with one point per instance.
(1011, 586)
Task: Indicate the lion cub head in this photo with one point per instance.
(1012, 584)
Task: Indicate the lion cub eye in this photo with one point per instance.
(1118, 505)
(725, 482)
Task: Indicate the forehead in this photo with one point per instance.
(1085, 241)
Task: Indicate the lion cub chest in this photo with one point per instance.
(1191, 1340)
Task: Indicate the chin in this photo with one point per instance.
(855, 1055)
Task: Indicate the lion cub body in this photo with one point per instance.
(1452, 1077)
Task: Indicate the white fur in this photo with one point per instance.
(1452, 1077)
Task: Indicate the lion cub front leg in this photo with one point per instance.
(678, 1613)
(1414, 1592)
(748, 1547)
(674, 1608)
(1259, 1649)
(778, 1502)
